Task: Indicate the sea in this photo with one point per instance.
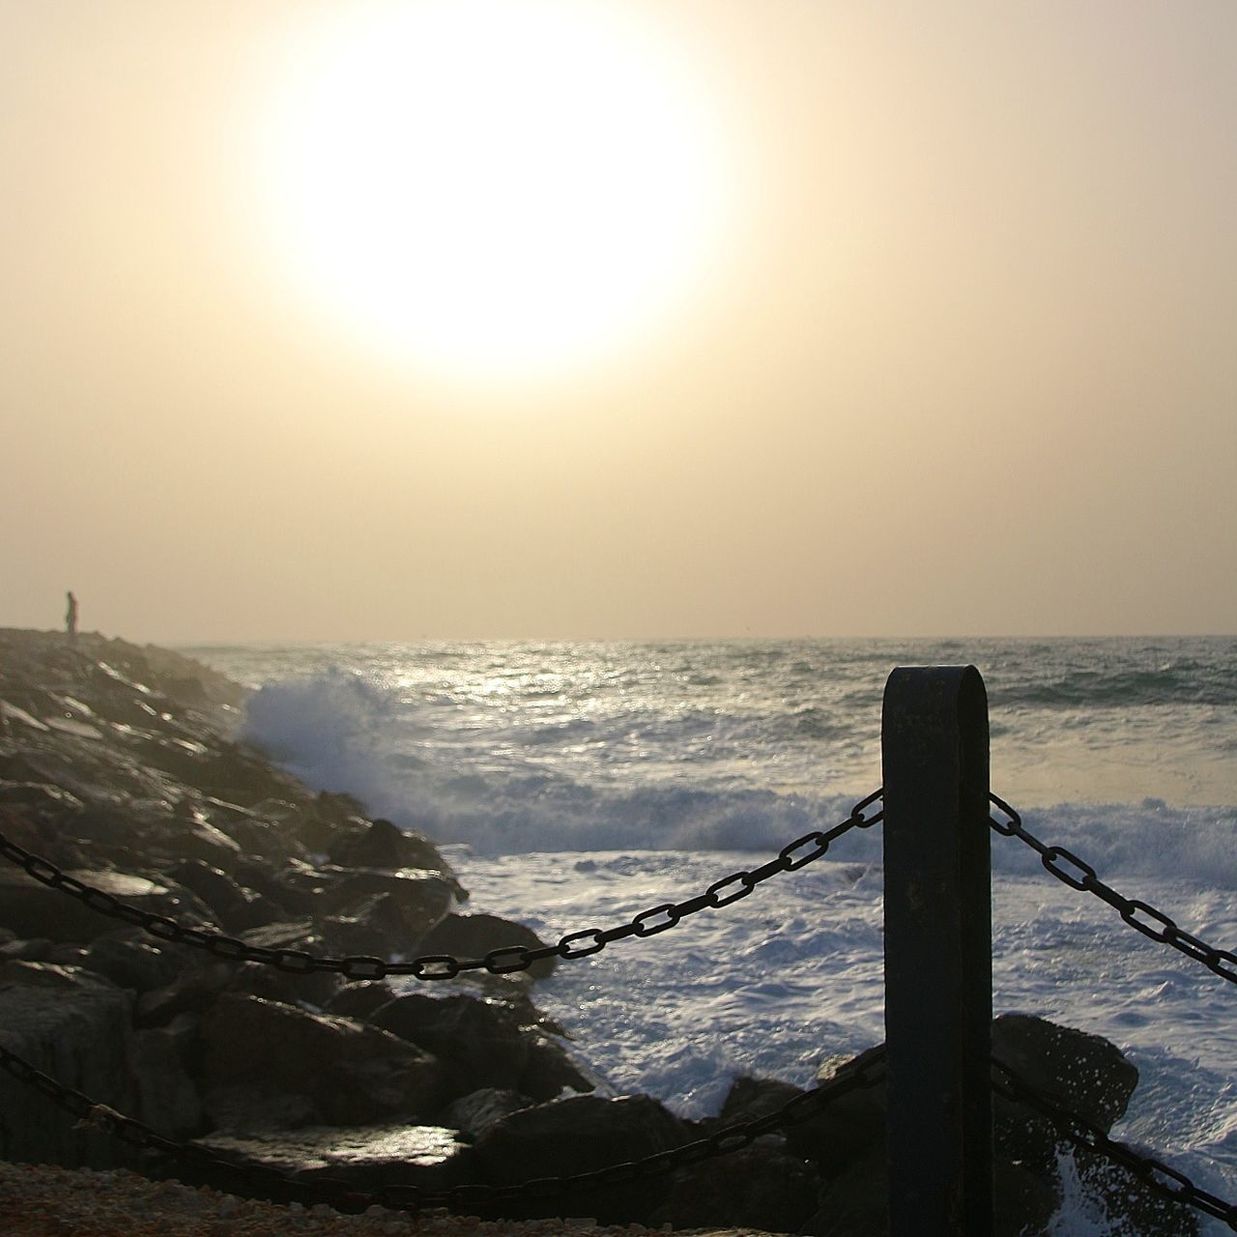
(574, 785)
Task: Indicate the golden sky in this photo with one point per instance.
(563, 318)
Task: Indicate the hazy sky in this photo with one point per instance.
(376, 321)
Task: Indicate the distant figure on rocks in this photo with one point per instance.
(70, 616)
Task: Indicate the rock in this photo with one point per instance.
(368, 1157)
(480, 1110)
(482, 1045)
(317, 987)
(578, 1135)
(131, 960)
(763, 1187)
(354, 1073)
(474, 936)
(380, 844)
(74, 1026)
(167, 1100)
(848, 1127)
(359, 999)
(240, 1108)
(550, 1071)
(294, 885)
(32, 909)
(396, 910)
(855, 1200)
(234, 907)
(1081, 1072)
(193, 991)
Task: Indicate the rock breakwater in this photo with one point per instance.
(117, 766)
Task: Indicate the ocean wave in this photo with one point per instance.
(338, 731)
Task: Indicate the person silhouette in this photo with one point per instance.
(70, 616)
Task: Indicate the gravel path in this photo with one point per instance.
(39, 1201)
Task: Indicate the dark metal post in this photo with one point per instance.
(938, 951)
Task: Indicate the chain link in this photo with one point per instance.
(1078, 874)
(503, 961)
(342, 1194)
(1161, 1177)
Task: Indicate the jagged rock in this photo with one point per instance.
(294, 885)
(38, 800)
(32, 909)
(359, 999)
(380, 844)
(579, 1135)
(367, 1157)
(1083, 1073)
(849, 1126)
(192, 991)
(240, 1108)
(354, 1073)
(74, 1026)
(130, 960)
(480, 1110)
(40, 834)
(413, 902)
(235, 908)
(188, 833)
(473, 936)
(375, 927)
(763, 1186)
(482, 1045)
(38, 950)
(317, 987)
(167, 1100)
(854, 1202)
(269, 982)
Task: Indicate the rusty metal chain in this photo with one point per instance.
(1161, 1177)
(862, 1074)
(503, 961)
(1078, 874)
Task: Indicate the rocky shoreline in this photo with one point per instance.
(117, 768)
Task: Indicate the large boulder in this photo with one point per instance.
(354, 1073)
(579, 1135)
(131, 959)
(482, 1044)
(763, 1187)
(1082, 1073)
(73, 1026)
(474, 936)
(32, 909)
(167, 1099)
(235, 908)
(480, 1110)
(380, 844)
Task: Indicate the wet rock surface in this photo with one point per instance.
(118, 765)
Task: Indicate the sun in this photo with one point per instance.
(496, 189)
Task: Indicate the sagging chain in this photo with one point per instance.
(503, 961)
(1077, 1130)
(1078, 874)
(863, 1073)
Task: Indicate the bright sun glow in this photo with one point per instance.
(495, 188)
